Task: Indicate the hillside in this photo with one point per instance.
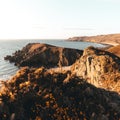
(112, 39)
(36, 94)
(115, 50)
(89, 89)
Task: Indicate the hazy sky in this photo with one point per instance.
(40, 19)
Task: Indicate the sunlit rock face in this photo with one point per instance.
(94, 64)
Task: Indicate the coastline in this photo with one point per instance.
(109, 39)
(109, 44)
(40, 89)
(106, 45)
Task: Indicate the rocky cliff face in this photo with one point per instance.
(38, 94)
(36, 54)
(94, 64)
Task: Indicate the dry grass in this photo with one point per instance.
(115, 50)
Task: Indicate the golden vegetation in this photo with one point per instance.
(48, 97)
(115, 50)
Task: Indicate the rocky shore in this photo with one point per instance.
(84, 86)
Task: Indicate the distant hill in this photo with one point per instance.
(112, 39)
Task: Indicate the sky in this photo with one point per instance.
(58, 19)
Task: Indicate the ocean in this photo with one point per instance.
(7, 47)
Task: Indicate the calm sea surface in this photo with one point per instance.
(7, 47)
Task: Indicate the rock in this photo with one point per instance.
(95, 64)
(48, 97)
(36, 54)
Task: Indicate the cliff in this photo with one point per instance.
(112, 39)
(36, 54)
(99, 68)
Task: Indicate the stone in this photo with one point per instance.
(95, 64)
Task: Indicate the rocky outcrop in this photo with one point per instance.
(95, 64)
(36, 54)
(39, 94)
